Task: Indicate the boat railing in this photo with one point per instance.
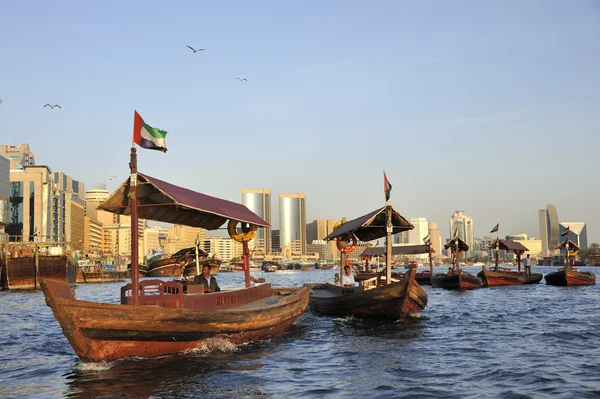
(155, 292)
(370, 283)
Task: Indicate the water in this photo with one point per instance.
(534, 341)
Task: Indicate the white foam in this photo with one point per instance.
(100, 366)
(217, 343)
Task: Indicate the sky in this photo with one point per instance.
(492, 108)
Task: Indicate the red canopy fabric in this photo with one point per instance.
(166, 202)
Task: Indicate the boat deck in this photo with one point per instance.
(272, 300)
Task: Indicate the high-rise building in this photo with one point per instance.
(259, 202)
(93, 198)
(75, 222)
(435, 237)
(465, 229)
(31, 204)
(400, 238)
(4, 192)
(19, 155)
(292, 222)
(577, 233)
(549, 230)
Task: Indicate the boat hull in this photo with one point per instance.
(108, 332)
(491, 278)
(20, 273)
(570, 278)
(460, 281)
(390, 301)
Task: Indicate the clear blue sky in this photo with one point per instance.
(490, 107)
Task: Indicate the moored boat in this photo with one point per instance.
(456, 278)
(377, 297)
(157, 318)
(569, 276)
(495, 276)
(422, 277)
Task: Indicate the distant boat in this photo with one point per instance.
(569, 276)
(456, 278)
(495, 276)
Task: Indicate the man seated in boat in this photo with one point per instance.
(210, 283)
(348, 277)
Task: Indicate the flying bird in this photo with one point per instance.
(193, 49)
(242, 79)
(52, 106)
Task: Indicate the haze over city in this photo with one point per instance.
(490, 108)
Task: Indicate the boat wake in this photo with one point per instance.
(100, 366)
(216, 344)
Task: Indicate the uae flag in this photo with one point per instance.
(387, 187)
(566, 232)
(147, 136)
(427, 240)
(495, 229)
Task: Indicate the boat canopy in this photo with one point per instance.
(397, 250)
(462, 246)
(506, 245)
(372, 226)
(572, 245)
(166, 202)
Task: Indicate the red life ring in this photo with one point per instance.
(349, 248)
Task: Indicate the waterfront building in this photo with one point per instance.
(151, 240)
(223, 248)
(75, 222)
(292, 222)
(465, 230)
(19, 155)
(484, 245)
(318, 230)
(259, 202)
(549, 230)
(4, 192)
(321, 248)
(577, 234)
(93, 235)
(180, 237)
(31, 200)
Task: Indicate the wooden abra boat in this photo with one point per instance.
(379, 296)
(372, 298)
(568, 276)
(456, 278)
(157, 318)
(502, 276)
(24, 273)
(168, 320)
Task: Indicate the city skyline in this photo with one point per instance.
(415, 78)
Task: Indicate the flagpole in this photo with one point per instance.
(134, 226)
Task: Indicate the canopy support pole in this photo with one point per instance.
(134, 227)
(497, 254)
(518, 261)
(430, 263)
(245, 259)
(388, 244)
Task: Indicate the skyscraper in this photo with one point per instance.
(259, 202)
(292, 222)
(435, 238)
(549, 230)
(421, 230)
(465, 229)
(318, 230)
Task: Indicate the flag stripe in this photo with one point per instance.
(146, 136)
